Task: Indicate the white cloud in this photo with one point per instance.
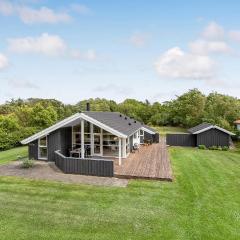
(139, 39)
(22, 84)
(234, 35)
(203, 47)
(46, 44)
(6, 8)
(176, 63)
(49, 45)
(30, 15)
(88, 55)
(42, 15)
(3, 61)
(213, 31)
(81, 9)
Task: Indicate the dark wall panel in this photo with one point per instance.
(213, 137)
(33, 150)
(152, 137)
(54, 143)
(156, 138)
(94, 167)
(66, 140)
(148, 136)
(185, 140)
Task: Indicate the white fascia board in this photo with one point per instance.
(224, 130)
(51, 129)
(214, 127)
(147, 130)
(103, 126)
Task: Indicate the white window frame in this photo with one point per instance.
(42, 146)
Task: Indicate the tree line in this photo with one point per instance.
(21, 118)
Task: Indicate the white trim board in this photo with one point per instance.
(51, 129)
(214, 127)
(68, 121)
(147, 130)
(103, 126)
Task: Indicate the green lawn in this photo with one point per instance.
(163, 130)
(202, 203)
(12, 154)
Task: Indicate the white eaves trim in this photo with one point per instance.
(51, 129)
(68, 121)
(103, 126)
(214, 127)
(147, 130)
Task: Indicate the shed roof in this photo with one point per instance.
(199, 127)
(207, 126)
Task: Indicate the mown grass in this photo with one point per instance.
(203, 202)
(12, 154)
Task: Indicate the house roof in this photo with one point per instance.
(119, 122)
(237, 121)
(113, 122)
(207, 126)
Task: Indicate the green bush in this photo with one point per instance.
(27, 163)
(225, 148)
(213, 148)
(202, 147)
(219, 148)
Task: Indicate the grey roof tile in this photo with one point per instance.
(199, 127)
(117, 121)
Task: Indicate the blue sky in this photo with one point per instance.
(72, 50)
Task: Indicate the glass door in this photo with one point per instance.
(97, 140)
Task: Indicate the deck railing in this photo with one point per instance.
(86, 166)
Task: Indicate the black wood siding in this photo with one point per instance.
(60, 139)
(33, 150)
(66, 140)
(156, 138)
(54, 143)
(152, 137)
(148, 136)
(94, 167)
(213, 137)
(185, 140)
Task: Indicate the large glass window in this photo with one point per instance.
(76, 136)
(110, 144)
(111, 151)
(127, 145)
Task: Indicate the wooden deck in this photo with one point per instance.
(150, 162)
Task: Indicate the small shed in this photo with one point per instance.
(211, 135)
(203, 134)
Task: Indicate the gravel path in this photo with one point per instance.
(48, 171)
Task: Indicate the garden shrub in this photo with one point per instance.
(27, 163)
(202, 147)
(213, 148)
(225, 148)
